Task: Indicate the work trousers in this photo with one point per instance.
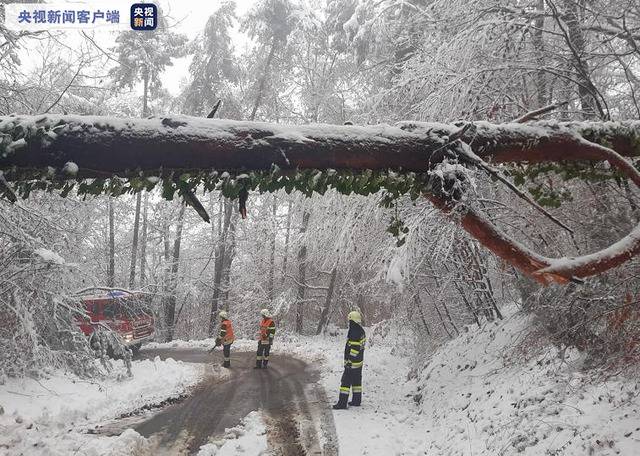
(262, 356)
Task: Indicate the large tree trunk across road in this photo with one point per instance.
(103, 146)
(86, 147)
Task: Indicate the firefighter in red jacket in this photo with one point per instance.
(265, 339)
(351, 381)
(225, 337)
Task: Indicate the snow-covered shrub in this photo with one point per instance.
(601, 318)
(37, 322)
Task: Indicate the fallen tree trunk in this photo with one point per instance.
(90, 147)
(103, 146)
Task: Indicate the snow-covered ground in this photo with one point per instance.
(51, 416)
(503, 390)
(499, 390)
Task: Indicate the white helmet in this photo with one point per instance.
(223, 314)
(354, 315)
(265, 313)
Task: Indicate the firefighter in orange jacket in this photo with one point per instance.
(265, 339)
(351, 381)
(225, 337)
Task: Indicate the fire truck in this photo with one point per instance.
(124, 314)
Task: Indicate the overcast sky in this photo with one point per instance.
(190, 17)
(186, 16)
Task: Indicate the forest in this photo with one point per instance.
(427, 163)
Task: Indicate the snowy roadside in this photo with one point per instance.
(51, 416)
(503, 390)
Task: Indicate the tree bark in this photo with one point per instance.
(170, 311)
(134, 245)
(539, 46)
(102, 146)
(143, 244)
(324, 316)
(272, 251)
(219, 265)
(111, 273)
(286, 243)
(229, 255)
(302, 272)
(145, 91)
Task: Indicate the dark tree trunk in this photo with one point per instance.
(324, 316)
(218, 276)
(143, 244)
(229, 254)
(134, 245)
(111, 273)
(542, 89)
(272, 251)
(145, 92)
(302, 272)
(101, 147)
(286, 243)
(587, 92)
(170, 311)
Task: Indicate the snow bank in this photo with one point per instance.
(490, 392)
(49, 416)
(249, 438)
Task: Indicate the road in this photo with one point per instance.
(294, 405)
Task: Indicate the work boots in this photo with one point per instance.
(342, 402)
(356, 399)
(264, 363)
(258, 364)
(226, 364)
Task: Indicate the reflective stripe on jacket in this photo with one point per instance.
(354, 348)
(267, 330)
(226, 332)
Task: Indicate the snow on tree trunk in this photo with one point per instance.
(302, 272)
(103, 146)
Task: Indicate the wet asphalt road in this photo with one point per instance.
(294, 406)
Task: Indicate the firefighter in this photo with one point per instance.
(353, 359)
(265, 339)
(225, 338)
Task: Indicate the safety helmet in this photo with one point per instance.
(265, 313)
(354, 315)
(223, 314)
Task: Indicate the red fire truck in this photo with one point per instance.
(125, 314)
